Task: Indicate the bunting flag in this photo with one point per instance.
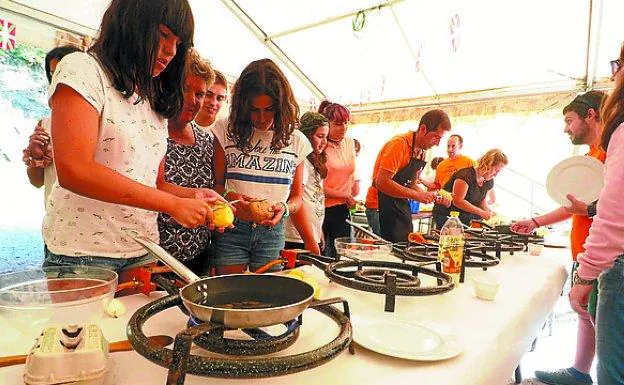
(7, 35)
(455, 32)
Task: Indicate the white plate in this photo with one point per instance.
(411, 340)
(581, 176)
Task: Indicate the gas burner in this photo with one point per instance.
(180, 361)
(382, 277)
(379, 276)
(261, 341)
(481, 231)
(474, 256)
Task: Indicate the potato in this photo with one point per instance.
(223, 216)
(260, 210)
(445, 194)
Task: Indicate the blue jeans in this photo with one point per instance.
(372, 216)
(114, 264)
(248, 244)
(610, 325)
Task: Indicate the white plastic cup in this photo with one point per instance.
(485, 286)
(535, 248)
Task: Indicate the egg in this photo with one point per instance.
(115, 308)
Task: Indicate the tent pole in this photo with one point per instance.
(274, 48)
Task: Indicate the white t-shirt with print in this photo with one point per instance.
(262, 173)
(313, 202)
(132, 141)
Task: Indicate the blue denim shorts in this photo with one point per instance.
(248, 244)
(609, 321)
(115, 264)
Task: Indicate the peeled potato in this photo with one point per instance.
(300, 275)
(445, 194)
(296, 273)
(223, 216)
(260, 210)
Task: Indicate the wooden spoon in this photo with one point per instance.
(118, 346)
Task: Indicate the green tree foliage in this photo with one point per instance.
(29, 60)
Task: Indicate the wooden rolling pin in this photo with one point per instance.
(118, 346)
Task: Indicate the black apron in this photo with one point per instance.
(395, 216)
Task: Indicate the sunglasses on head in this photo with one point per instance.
(615, 66)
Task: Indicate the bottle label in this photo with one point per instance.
(450, 253)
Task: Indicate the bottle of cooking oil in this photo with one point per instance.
(451, 246)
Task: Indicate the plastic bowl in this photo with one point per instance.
(34, 299)
(535, 248)
(362, 248)
(485, 287)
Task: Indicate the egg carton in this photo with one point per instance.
(68, 355)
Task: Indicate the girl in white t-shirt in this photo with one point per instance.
(259, 154)
(109, 109)
(315, 127)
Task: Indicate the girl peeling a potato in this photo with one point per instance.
(258, 163)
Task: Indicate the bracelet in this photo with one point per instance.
(32, 162)
(535, 221)
(576, 280)
(286, 210)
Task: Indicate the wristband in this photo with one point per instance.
(535, 221)
(591, 209)
(286, 210)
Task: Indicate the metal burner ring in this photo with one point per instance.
(379, 276)
(332, 271)
(238, 367)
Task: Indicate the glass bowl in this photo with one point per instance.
(362, 248)
(31, 300)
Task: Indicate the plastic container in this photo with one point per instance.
(362, 248)
(71, 354)
(535, 248)
(451, 246)
(414, 206)
(485, 287)
(32, 300)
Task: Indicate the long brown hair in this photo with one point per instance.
(310, 122)
(127, 47)
(612, 112)
(262, 77)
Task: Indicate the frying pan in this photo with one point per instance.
(237, 300)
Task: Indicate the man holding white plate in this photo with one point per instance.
(582, 124)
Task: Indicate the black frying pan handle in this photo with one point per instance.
(317, 260)
(169, 287)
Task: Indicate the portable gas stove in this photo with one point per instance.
(238, 358)
(382, 277)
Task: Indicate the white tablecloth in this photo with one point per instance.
(494, 334)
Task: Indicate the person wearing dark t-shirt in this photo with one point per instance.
(469, 187)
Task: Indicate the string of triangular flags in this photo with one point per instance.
(7, 35)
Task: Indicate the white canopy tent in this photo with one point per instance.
(376, 55)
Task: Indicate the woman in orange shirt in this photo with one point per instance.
(340, 185)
